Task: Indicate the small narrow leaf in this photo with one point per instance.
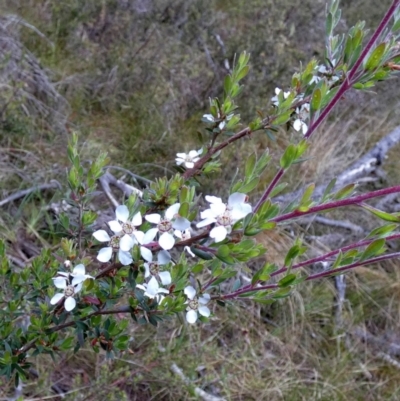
(376, 57)
(395, 217)
(373, 249)
(345, 191)
(316, 100)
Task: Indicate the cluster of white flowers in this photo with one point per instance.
(127, 235)
(70, 284)
(224, 215)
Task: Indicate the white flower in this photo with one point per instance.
(153, 268)
(183, 236)
(166, 224)
(303, 114)
(209, 118)
(105, 254)
(125, 228)
(153, 290)
(300, 125)
(275, 99)
(68, 293)
(322, 69)
(78, 275)
(188, 159)
(224, 215)
(196, 305)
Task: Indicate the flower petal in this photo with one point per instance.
(104, 254)
(146, 270)
(57, 298)
(152, 287)
(190, 292)
(146, 254)
(122, 213)
(189, 251)
(163, 257)
(79, 270)
(297, 125)
(189, 164)
(137, 219)
(125, 257)
(191, 316)
(181, 155)
(181, 223)
(101, 236)
(236, 199)
(193, 154)
(204, 311)
(69, 304)
(149, 236)
(60, 282)
(218, 233)
(154, 218)
(126, 243)
(165, 277)
(172, 211)
(206, 222)
(115, 227)
(204, 299)
(166, 241)
(213, 199)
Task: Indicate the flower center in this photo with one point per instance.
(128, 228)
(154, 268)
(224, 219)
(114, 242)
(193, 304)
(69, 291)
(165, 226)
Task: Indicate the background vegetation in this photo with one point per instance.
(134, 78)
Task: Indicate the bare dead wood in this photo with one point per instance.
(362, 169)
(198, 391)
(53, 184)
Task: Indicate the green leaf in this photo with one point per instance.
(184, 209)
(278, 189)
(376, 57)
(242, 73)
(382, 232)
(328, 190)
(283, 118)
(227, 85)
(287, 280)
(337, 261)
(201, 254)
(345, 191)
(316, 100)
(249, 186)
(223, 250)
(289, 156)
(236, 285)
(307, 194)
(282, 293)
(373, 249)
(329, 24)
(250, 165)
(395, 217)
